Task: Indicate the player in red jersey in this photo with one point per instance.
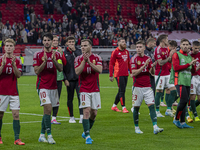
(162, 76)
(45, 64)
(195, 83)
(142, 67)
(10, 70)
(88, 66)
(121, 61)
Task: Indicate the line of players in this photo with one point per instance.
(172, 69)
(75, 66)
(140, 67)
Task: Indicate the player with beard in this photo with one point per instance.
(195, 83)
(181, 75)
(60, 78)
(120, 60)
(162, 76)
(46, 63)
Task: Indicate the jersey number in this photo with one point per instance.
(49, 64)
(145, 69)
(134, 97)
(43, 95)
(89, 70)
(8, 70)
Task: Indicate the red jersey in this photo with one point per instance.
(47, 77)
(8, 80)
(142, 79)
(196, 56)
(121, 62)
(161, 53)
(88, 79)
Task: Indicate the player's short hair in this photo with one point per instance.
(120, 39)
(150, 40)
(48, 35)
(195, 43)
(9, 41)
(162, 37)
(173, 43)
(140, 42)
(70, 38)
(184, 40)
(55, 36)
(87, 40)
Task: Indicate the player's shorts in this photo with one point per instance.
(195, 85)
(92, 100)
(48, 97)
(8, 99)
(140, 94)
(163, 82)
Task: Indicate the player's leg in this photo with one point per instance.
(55, 109)
(159, 91)
(70, 97)
(183, 92)
(138, 98)
(122, 88)
(92, 118)
(162, 98)
(117, 99)
(171, 99)
(153, 86)
(80, 109)
(1, 122)
(149, 100)
(85, 104)
(15, 107)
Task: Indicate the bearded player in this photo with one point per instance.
(10, 70)
(121, 61)
(142, 67)
(46, 63)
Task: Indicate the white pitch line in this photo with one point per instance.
(33, 122)
(31, 114)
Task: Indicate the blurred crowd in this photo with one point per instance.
(84, 23)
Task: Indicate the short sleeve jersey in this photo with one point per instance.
(196, 56)
(161, 53)
(8, 80)
(142, 79)
(88, 79)
(47, 77)
(121, 62)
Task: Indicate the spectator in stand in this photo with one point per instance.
(111, 20)
(95, 41)
(92, 11)
(106, 15)
(46, 7)
(64, 25)
(7, 23)
(98, 18)
(25, 11)
(23, 34)
(114, 41)
(52, 20)
(51, 7)
(65, 18)
(10, 33)
(119, 9)
(33, 18)
(93, 19)
(69, 4)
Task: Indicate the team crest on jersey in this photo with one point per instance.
(163, 53)
(139, 62)
(191, 91)
(160, 86)
(44, 100)
(94, 62)
(43, 58)
(83, 103)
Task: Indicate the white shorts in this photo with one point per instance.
(48, 97)
(8, 99)
(163, 82)
(140, 94)
(195, 85)
(92, 100)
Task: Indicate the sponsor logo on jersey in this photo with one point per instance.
(139, 62)
(44, 100)
(143, 62)
(94, 62)
(9, 64)
(49, 58)
(119, 53)
(83, 103)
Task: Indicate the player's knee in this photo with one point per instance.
(16, 115)
(192, 97)
(86, 113)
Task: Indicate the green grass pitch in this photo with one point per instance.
(111, 131)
